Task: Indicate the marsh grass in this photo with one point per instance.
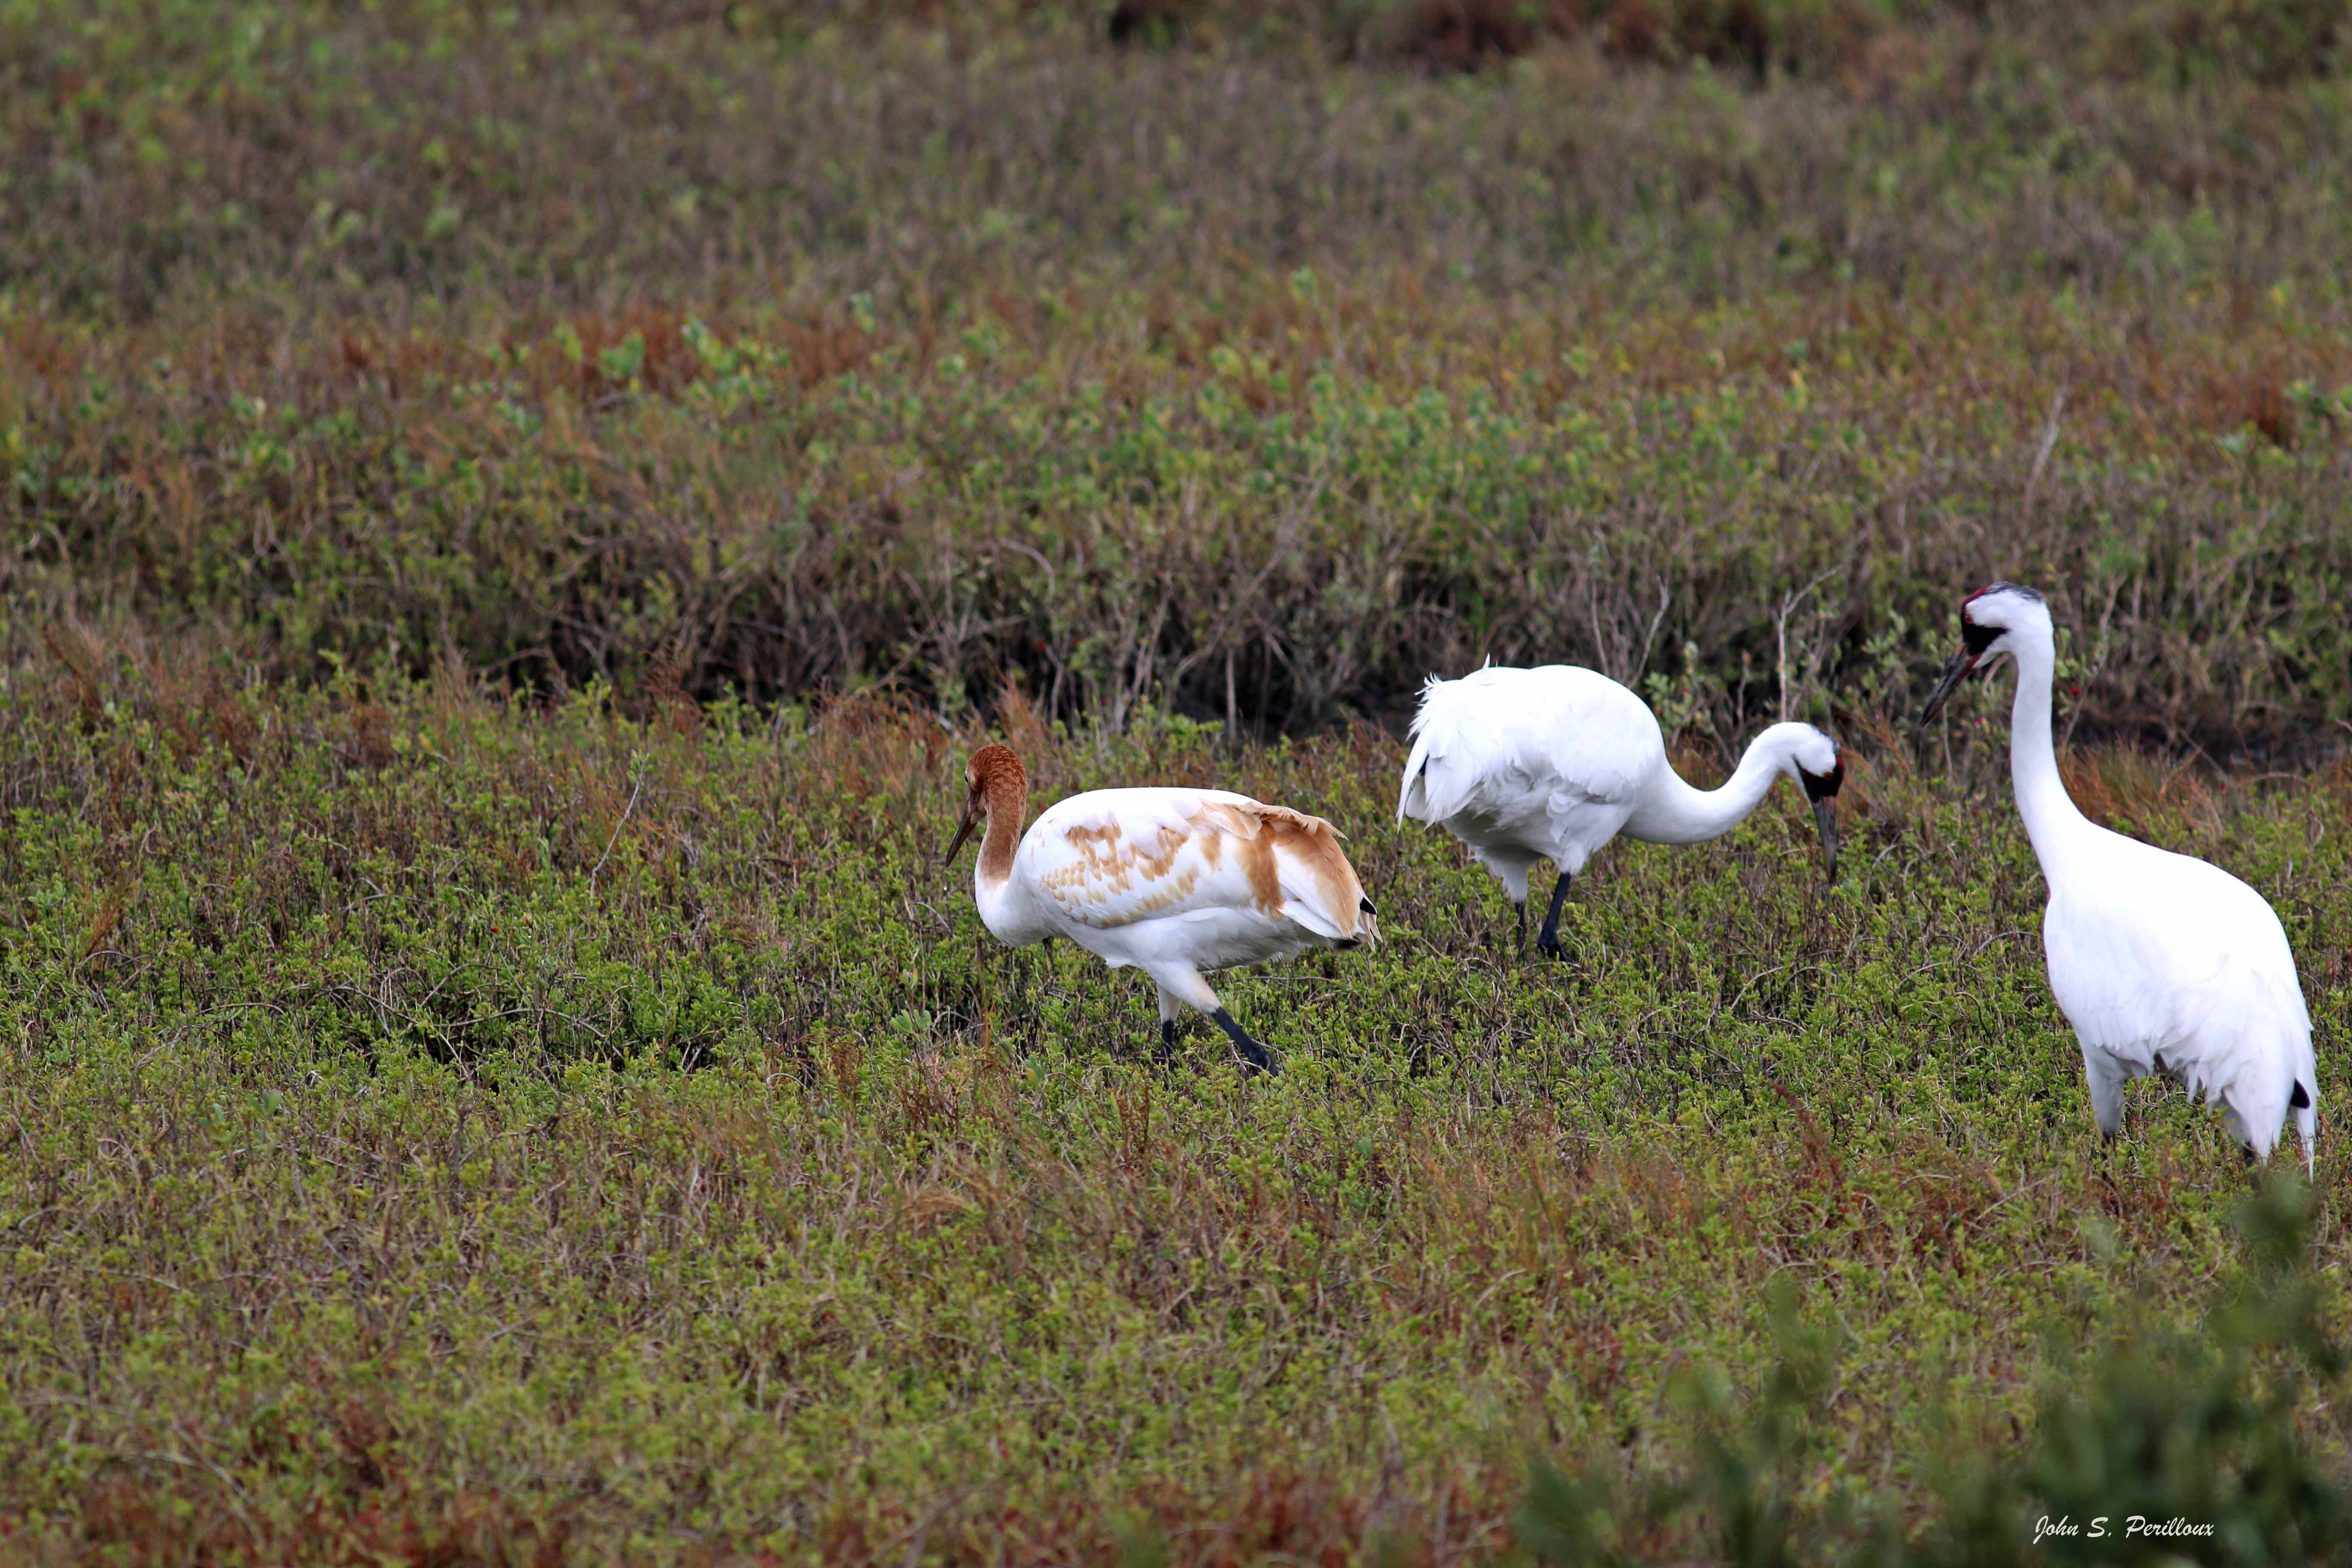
(443, 1125)
(413, 155)
(782, 350)
(1270, 507)
(510, 519)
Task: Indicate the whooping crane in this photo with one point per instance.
(1172, 881)
(1553, 763)
(2162, 962)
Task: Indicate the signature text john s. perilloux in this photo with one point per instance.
(2064, 1527)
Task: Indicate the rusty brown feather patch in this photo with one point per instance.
(1314, 844)
(1266, 833)
(1109, 862)
(1265, 876)
(996, 777)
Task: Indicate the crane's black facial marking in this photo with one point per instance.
(1822, 790)
(1974, 640)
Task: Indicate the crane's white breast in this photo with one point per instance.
(2157, 959)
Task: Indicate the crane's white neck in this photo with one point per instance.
(1005, 908)
(2051, 820)
(1676, 813)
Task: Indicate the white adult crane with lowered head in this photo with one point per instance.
(1552, 763)
(2162, 962)
(1174, 882)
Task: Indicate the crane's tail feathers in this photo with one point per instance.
(1307, 876)
(1436, 784)
(1412, 795)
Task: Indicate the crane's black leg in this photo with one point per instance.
(1251, 1052)
(1548, 939)
(1521, 907)
(1167, 1041)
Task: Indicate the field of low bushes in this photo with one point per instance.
(694, 353)
(1269, 510)
(440, 1127)
(512, 518)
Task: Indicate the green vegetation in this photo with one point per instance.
(1266, 506)
(510, 519)
(431, 1117)
(727, 357)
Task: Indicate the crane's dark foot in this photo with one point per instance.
(1166, 1052)
(2246, 1154)
(1548, 939)
(1253, 1054)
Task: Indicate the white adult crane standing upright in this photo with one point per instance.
(1551, 763)
(2162, 962)
(1172, 881)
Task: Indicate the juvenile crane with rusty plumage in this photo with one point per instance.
(1175, 882)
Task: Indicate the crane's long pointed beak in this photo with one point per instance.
(1825, 818)
(1955, 670)
(963, 831)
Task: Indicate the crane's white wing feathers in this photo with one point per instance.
(1498, 736)
(1110, 858)
(2161, 962)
